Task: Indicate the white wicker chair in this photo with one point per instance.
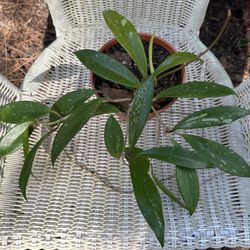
(67, 207)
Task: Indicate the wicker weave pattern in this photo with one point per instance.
(8, 94)
(68, 208)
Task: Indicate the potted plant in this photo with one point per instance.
(144, 100)
(156, 51)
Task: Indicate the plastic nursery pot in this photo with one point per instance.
(157, 41)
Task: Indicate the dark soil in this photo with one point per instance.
(232, 48)
(116, 91)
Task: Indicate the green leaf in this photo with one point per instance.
(176, 155)
(107, 67)
(173, 60)
(210, 117)
(25, 141)
(244, 42)
(188, 183)
(221, 156)
(106, 108)
(23, 111)
(27, 166)
(140, 107)
(65, 104)
(126, 34)
(113, 137)
(147, 196)
(133, 153)
(167, 192)
(72, 125)
(196, 90)
(13, 140)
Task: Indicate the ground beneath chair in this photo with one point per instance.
(233, 48)
(23, 34)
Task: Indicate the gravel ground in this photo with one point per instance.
(23, 26)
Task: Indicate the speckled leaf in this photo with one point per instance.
(65, 104)
(210, 117)
(23, 111)
(177, 155)
(113, 137)
(173, 60)
(221, 156)
(106, 108)
(107, 68)
(27, 166)
(147, 196)
(25, 141)
(72, 125)
(13, 140)
(196, 90)
(167, 192)
(140, 108)
(127, 36)
(188, 184)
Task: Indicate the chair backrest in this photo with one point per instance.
(68, 14)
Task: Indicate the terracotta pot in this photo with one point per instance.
(144, 37)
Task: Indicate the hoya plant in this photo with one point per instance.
(71, 112)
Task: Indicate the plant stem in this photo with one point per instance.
(104, 180)
(158, 133)
(56, 113)
(219, 35)
(150, 57)
(166, 131)
(108, 99)
(164, 179)
(205, 51)
(126, 136)
(150, 54)
(58, 121)
(165, 128)
(168, 178)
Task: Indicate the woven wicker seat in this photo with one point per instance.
(68, 208)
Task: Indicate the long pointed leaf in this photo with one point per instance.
(106, 108)
(27, 166)
(188, 183)
(107, 68)
(178, 156)
(210, 117)
(221, 156)
(23, 111)
(140, 108)
(167, 192)
(114, 137)
(72, 125)
(25, 140)
(147, 196)
(196, 90)
(127, 36)
(13, 140)
(173, 60)
(65, 104)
